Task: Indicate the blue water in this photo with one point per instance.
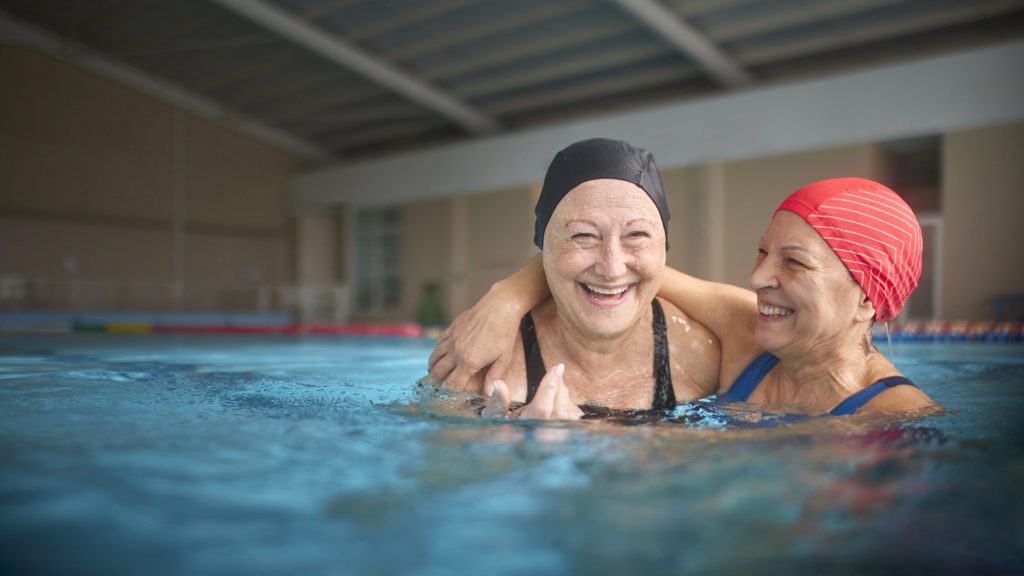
(215, 455)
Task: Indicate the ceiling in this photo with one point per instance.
(356, 78)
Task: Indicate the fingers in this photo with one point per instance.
(543, 403)
(498, 402)
(565, 409)
(499, 367)
(441, 349)
(459, 378)
(442, 368)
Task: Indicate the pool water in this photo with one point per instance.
(219, 455)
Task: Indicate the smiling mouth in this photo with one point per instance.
(773, 311)
(605, 296)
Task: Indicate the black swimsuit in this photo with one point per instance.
(664, 395)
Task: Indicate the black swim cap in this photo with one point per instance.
(595, 159)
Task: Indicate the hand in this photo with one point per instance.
(552, 401)
(498, 400)
(484, 335)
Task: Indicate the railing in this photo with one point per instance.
(302, 303)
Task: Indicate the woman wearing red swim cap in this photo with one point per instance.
(838, 255)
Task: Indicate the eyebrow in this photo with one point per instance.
(580, 221)
(797, 248)
(592, 223)
(789, 247)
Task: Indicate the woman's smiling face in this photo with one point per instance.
(807, 301)
(604, 254)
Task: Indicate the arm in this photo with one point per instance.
(485, 335)
(729, 312)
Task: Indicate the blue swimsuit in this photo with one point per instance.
(745, 385)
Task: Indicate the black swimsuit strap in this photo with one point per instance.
(534, 361)
(664, 394)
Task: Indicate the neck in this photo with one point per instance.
(596, 352)
(830, 371)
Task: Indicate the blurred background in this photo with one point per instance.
(338, 161)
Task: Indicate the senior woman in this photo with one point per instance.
(838, 255)
(602, 337)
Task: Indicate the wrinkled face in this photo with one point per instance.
(806, 298)
(604, 254)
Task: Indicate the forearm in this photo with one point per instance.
(485, 335)
(524, 289)
(722, 308)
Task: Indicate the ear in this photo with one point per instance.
(865, 310)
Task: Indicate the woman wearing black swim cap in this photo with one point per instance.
(602, 338)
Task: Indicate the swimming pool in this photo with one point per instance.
(265, 455)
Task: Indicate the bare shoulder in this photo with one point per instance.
(694, 353)
(900, 399)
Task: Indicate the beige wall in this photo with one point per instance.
(426, 251)
(317, 260)
(688, 202)
(97, 172)
(754, 188)
(983, 219)
(499, 239)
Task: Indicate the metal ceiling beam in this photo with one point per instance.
(848, 36)
(17, 33)
(538, 100)
(791, 16)
(408, 18)
(354, 58)
(460, 37)
(559, 70)
(673, 29)
(553, 44)
(318, 11)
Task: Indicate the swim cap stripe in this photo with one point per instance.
(873, 232)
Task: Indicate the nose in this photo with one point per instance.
(763, 275)
(613, 261)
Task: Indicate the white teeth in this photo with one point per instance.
(607, 291)
(773, 310)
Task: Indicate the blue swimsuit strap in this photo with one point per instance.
(854, 402)
(752, 375)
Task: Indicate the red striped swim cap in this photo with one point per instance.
(873, 232)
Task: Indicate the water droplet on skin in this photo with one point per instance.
(678, 320)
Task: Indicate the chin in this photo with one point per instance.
(610, 325)
(767, 340)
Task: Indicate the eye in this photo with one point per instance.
(586, 239)
(793, 262)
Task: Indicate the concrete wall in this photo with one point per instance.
(101, 182)
(688, 193)
(426, 252)
(983, 219)
(754, 188)
(316, 238)
(462, 244)
(499, 237)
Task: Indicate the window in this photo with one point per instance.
(378, 259)
(913, 169)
